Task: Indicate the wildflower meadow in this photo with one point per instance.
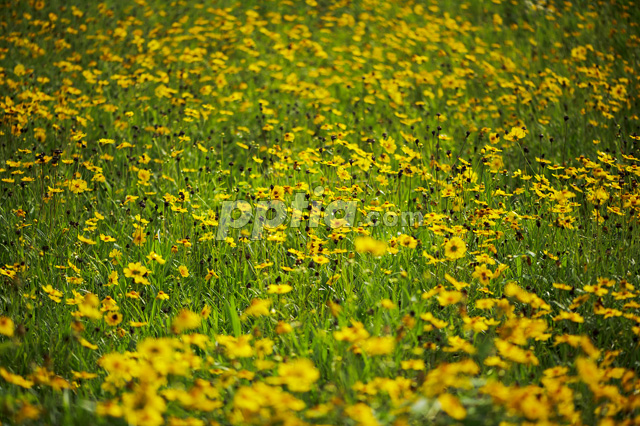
(319, 212)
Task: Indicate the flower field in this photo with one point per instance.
(319, 212)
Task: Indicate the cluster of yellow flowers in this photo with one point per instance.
(488, 270)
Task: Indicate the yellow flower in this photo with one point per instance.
(27, 412)
(83, 375)
(107, 238)
(343, 174)
(87, 344)
(379, 345)
(289, 137)
(407, 241)
(236, 347)
(210, 274)
(362, 414)
(457, 343)
(186, 320)
(320, 260)
(258, 308)
(277, 193)
(413, 364)
(264, 347)
(452, 406)
(86, 240)
(137, 271)
(184, 272)
(113, 318)
(75, 280)
(298, 374)
(6, 326)
(516, 133)
(143, 406)
(52, 293)
(15, 379)
(371, 246)
(206, 311)
(387, 304)
(139, 237)
(144, 175)
(77, 186)
(112, 279)
(446, 298)
(483, 274)
(185, 242)
(515, 353)
(155, 256)
(283, 328)
(279, 289)
(389, 145)
(455, 248)
(162, 295)
(355, 334)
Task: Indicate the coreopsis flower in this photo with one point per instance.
(87, 344)
(113, 318)
(446, 298)
(482, 274)
(264, 347)
(407, 241)
(279, 289)
(206, 311)
(143, 405)
(185, 242)
(52, 293)
(258, 308)
(185, 320)
(112, 279)
(184, 272)
(362, 414)
(115, 256)
(144, 176)
(343, 174)
(457, 344)
(320, 260)
(387, 304)
(15, 379)
(356, 333)
(413, 364)
(77, 186)
(378, 345)
(138, 272)
(389, 145)
(6, 326)
(210, 274)
(298, 375)
(283, 328)
(86, 240)
(277, 193)
(455, 248)
(139, 236)
(156, 257)
(370, 245)
(236, 347)
(452, 406)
